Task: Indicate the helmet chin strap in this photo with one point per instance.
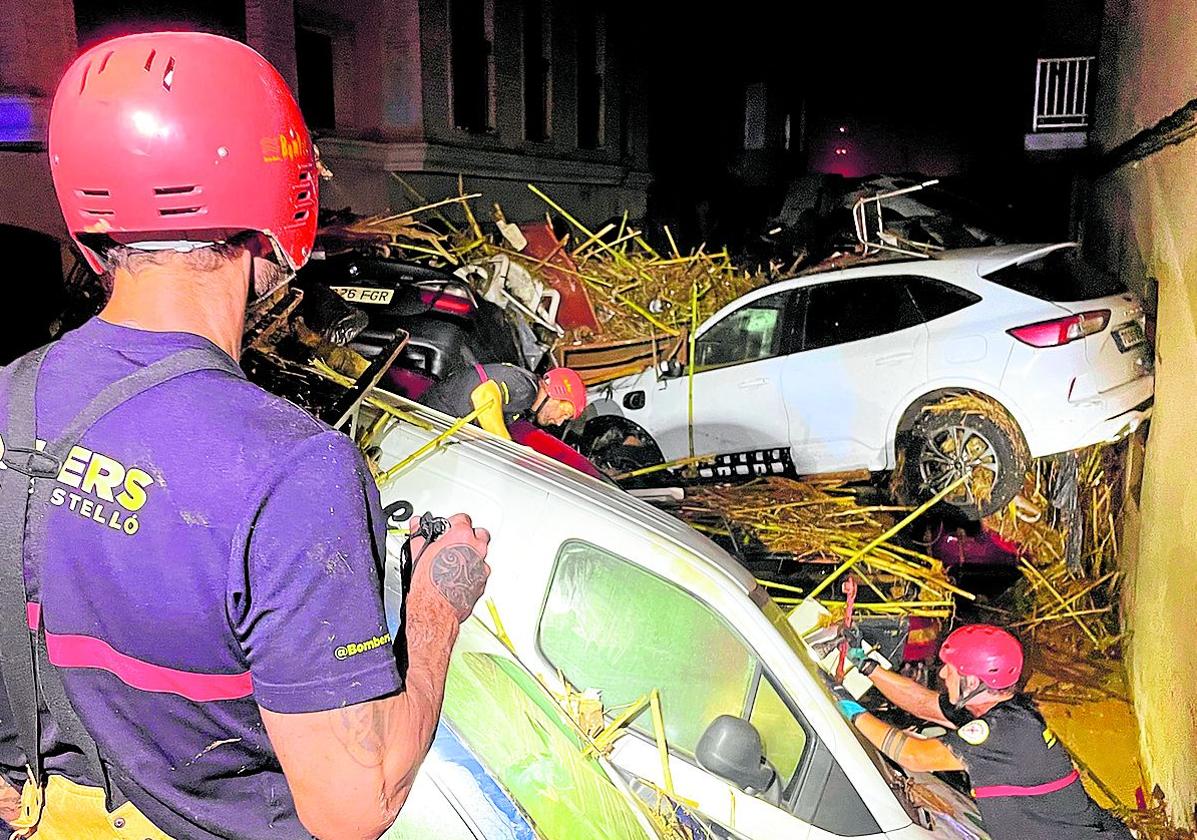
(965, 698)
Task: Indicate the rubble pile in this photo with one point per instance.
(610, 284)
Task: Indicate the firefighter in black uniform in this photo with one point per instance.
(1023, 778)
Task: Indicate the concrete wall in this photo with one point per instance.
(1141, 220)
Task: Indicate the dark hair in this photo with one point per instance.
(207, 258)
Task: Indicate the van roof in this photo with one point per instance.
(553, 477)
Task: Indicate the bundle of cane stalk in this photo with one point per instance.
(822, 521)
(1083, 593)
(635, 289)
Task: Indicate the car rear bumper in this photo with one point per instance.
(1107, 417)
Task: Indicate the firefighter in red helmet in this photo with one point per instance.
(1023, 778)
(192, 629)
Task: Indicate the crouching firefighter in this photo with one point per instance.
(501, 395)
(192, 633)
(1023, 779)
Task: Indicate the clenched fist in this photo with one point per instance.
(453, 566)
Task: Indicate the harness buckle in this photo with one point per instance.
(31, 462)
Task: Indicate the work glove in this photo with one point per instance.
(856, 655)
(864, 660)
(847, 705)
(866, 663)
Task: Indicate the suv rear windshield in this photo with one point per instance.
(1061, 276)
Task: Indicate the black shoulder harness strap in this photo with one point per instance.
(31, 681)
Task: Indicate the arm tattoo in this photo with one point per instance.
(458, 573)
(365, 729)
(893, 742)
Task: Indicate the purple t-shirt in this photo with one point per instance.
(210, 548)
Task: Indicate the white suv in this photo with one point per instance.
(834, 371)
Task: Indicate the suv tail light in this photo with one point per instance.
(449, 300)
(1062, 330)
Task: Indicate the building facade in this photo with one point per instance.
(403, 96)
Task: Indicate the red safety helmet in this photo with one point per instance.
(986, 652)
(172, 137)
(563, 383)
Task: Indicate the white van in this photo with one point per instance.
(615, 595)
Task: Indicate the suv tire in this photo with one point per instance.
(982, 440)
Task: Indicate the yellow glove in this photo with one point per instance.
(491, 418)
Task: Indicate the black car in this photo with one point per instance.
(450, 324)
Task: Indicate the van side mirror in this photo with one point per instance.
(731, 749)
(670, 368)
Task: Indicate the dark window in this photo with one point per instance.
(1060, 276)
(536, 73)
(935, 298)
(470, 65)
(851, 310)
(754, 331)
(97, 20)
(314, 68)
(592, 61)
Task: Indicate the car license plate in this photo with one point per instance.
(364, 294)
(1128, 337)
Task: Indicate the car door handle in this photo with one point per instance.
(754, 383)
(894, 359)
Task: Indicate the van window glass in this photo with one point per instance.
(784, 738)
(612, 626)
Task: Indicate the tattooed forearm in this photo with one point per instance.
(893, 742)
(459, 573)
(365, 729)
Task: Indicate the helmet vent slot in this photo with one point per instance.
(303, 196)
(173, 190)
(149, 62)
(104, 62)
(83, 81)
(168, 77)
(178, 211)
(301, 215)
(94, 193)
(98, 212)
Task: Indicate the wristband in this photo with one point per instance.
(867, 666)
